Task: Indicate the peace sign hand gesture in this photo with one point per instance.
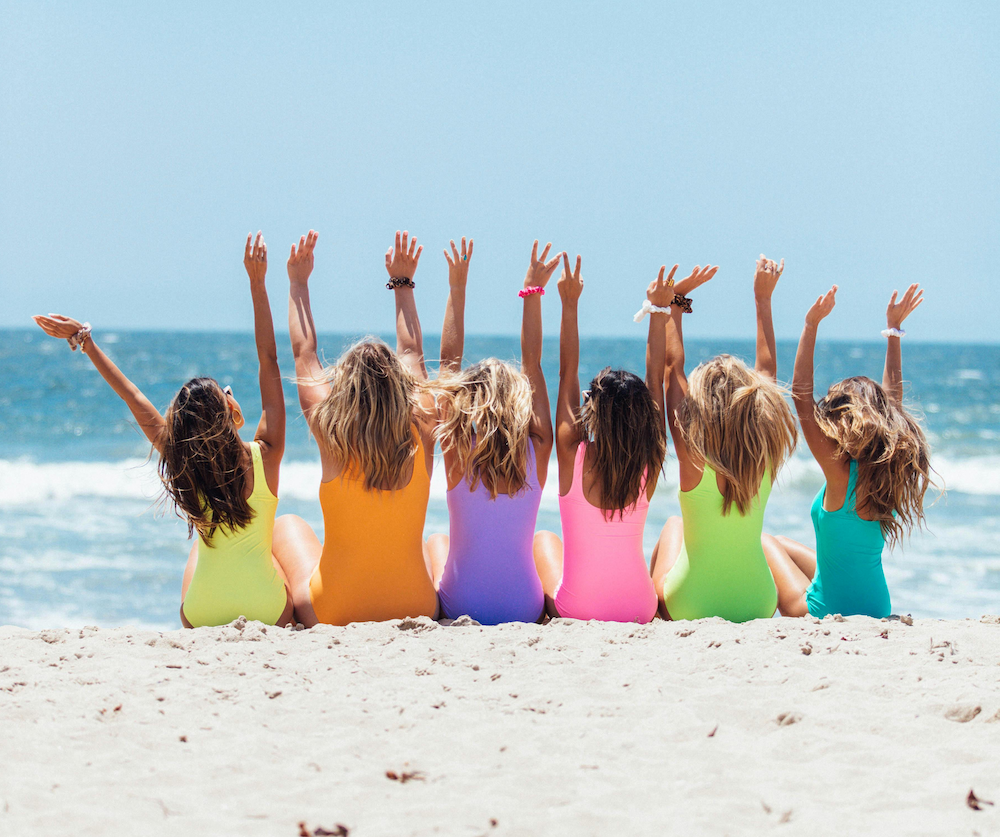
(661, 291)
(540, 271)
(899, 311)
(570, 284)
(458, 264)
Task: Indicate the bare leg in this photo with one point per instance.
(436, 557)
(548, 553)
(297, 551)
(665, 555)
(791, 582)
(803, 556)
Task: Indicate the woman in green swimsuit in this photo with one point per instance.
(223, 487)
(876, 463)
(732, 431)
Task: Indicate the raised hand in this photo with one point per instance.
(766, 277)
(401, 262)
(661, 291)
(540, 271)
(255, 257)
(899, 311)
(56, 325)
(698, 277)
(300, 260)
(822, 307)
(570, 284)
(458, 264)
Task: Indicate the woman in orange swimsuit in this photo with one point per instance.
(374, 426)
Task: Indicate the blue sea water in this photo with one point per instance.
(84, 538)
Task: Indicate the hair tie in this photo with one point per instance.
(893, 332)
(531, 289)
(78, 339)
(649, 308)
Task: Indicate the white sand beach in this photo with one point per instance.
(852, 726)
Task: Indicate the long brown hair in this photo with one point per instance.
(484, 415)
(890, 448)
(367, 419)
(203, 460)
(737, 420)
(622, 425)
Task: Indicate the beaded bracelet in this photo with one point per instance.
(682, 302)
(531, 289)
(893, 332)
(78, 339)
(399, 282)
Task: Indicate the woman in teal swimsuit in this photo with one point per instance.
(732, 431)
(875, 460)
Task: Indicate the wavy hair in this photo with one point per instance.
(367, 418)
(624, 428)
(484, 415)
(737, 420)
(203, 464)
(890, 448)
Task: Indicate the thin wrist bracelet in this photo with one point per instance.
(531, 289)
(683, 302)
(893, 332)
(649, 308)
(399, 282)
(78, 339)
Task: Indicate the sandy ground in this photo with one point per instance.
(779, 726)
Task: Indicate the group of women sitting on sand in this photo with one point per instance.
(377, 419)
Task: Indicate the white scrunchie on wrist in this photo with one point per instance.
(649, 308)
(893, 332)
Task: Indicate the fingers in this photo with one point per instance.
(246, 250)
(413, 247)
(454, 251)
(659, 276)
(781, 267)
(892, 299)
(447, 256)
(291, 256)
(465, 252)
(566, 269)
(469, 254)
(545, 252)
(398, 240)
(553, 264)
(534, 252)
(311, 240)
(576, 273)
(388, 258)
(416, 256)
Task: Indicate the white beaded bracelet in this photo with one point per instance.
(893, 332)
(649, 308)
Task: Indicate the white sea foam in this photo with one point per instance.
(25, 483)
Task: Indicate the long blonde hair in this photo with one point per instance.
(890, 448)
(484, 415)
(737, 420)
(624, 428)
(367, 418)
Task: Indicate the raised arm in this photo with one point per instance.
(146, 415)
(823, 449)
(271, 429)
(659, 294)
(892, 377)
(453, 330)
(401, 264)
(676, 390)
(537, 277)
(765, 278)
(301, 328)
(568, 400)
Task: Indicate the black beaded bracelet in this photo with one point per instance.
(399, 282)
(682, 302)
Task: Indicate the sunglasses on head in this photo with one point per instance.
(228, 391)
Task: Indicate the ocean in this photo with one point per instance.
(85, 539)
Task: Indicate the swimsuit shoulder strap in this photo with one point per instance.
(852, 487)
(260, 485)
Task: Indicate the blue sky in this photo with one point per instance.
(139, 143)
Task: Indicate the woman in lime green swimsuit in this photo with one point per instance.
(225, 488)
(732, 431)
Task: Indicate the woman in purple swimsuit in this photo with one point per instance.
(495, 430)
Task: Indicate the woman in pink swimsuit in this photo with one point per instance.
(610, 452)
